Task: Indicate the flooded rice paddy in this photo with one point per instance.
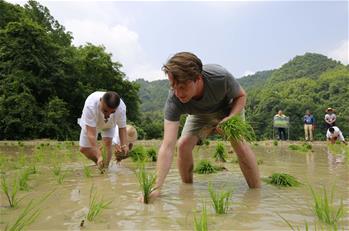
(261, 209)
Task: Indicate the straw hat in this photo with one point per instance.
(131, 134)
(330, 109)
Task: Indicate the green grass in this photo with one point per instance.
(324, 207)
(96, 206)
(11, 195)
(282, 179)
(220, 152)
(205, 167)
(151, 154)
(146, 182)
(220, 200)
(87, 171)
(200, 224)
(236, 129)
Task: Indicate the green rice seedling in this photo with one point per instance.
(276, 143)
(61, 176)
(283, 180)
(56, 169)
(96, 205)
(205, 167)
(260, 161)
(236, 129)
(32, 169)
(146, 182)
(23, 180)
(220, 153)
(27, 216)
(151, 154)
(302, 148)
(200, 224)
(295, 228)
(206, 142)
(324, 207)
(87, 171)
(11, 195)
(220, 200)
(138, 153)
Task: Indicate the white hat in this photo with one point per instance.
(131, 133)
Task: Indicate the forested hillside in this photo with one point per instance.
(44, 79)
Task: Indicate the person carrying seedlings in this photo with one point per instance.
(131, 138)
(309, 125)
(101, 113)
(280, 116)
(210, 95)
(330, 118)
(333, 134)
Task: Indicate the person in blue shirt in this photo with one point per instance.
(309, 125)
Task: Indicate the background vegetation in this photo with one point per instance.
(44, 81)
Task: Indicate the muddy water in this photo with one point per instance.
(175, 209)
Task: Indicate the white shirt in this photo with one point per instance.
(94, 117)
(336, 133)
(116, 138)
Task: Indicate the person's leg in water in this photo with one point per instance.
(185, 160)
(248, 163)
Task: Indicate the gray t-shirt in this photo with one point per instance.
(220, 88)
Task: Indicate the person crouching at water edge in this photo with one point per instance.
(102, 112)
(333, 134)
(118, 148)
(210, 95)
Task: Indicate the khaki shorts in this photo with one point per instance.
(203, 125)
(84, 142)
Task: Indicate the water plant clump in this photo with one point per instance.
(11, 195)
(220, 200)
(146, 182)
(220, 153)
(205, 167)
(200, 224)
(275, 142)
(283, 180)
(96, 206)
(236, 129)
(305, 147)
(151, 153)
(324, 207)
(138, 153)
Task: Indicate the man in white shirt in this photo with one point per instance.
(102, 112)
(333, 134)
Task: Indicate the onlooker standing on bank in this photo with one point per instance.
(330, 118)
(309, 125)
